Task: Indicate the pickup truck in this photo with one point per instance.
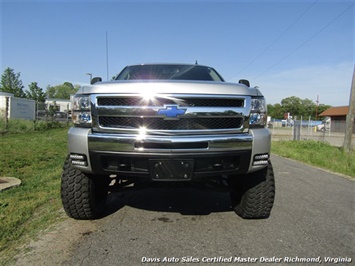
(168, 124)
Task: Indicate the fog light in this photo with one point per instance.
(77, 157)
(261, 163)
(261, 159)
(81, 163)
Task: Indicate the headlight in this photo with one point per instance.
(81, 112)
(258, 116)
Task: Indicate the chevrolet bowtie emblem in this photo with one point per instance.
(171, 111)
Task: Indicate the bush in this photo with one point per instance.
(45, 125)
(16, 126)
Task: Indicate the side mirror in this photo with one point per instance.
(94, 80)
(245, 82)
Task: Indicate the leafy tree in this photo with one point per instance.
(35, 93)
(61, 91)
(275, 111)
(299, 107)
(296, 107)
(292, 105)
(69, 85)
(308, 108)
(11, 82)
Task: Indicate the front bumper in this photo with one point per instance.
(132, 155)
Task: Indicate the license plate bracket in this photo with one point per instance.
(171, 169)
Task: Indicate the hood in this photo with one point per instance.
(169, 87)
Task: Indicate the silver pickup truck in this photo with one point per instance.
(168, 123)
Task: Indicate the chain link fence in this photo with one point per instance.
(23, 115)
(52, 112)
(333, 132)
(32, 110)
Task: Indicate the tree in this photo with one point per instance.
(11, 83)
(61, 91)
(296, 107)
(292, 105)
(35, 93)
(275, 111)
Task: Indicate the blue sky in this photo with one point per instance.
(286, 48)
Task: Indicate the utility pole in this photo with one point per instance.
(350, 117)
(107, 55)
(317, 107)
(89, 74)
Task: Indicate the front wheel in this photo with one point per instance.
(253, 195)
(83, 195)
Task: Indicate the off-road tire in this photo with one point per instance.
(83, 196)
(253, 194)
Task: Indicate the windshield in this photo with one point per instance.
(179, 72)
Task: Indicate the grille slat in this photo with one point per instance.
(160, 101)
(159, 123)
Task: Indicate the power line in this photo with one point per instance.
(278, 38)
(306, 41)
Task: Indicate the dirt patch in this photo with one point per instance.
(55, 245)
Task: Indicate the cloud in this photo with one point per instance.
(331, 82)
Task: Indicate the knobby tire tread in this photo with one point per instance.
(254, 196)
(79, 194)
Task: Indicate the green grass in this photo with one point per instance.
(16, 126)
(36, 158)
(317, 153)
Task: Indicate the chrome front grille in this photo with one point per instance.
(197, 114)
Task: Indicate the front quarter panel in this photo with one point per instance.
(78, 144)
(261, 145)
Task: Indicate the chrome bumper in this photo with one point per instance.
(84, 141)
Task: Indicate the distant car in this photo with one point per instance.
(321, 127)
(324, 126)
(60, 115)
(41, 113)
